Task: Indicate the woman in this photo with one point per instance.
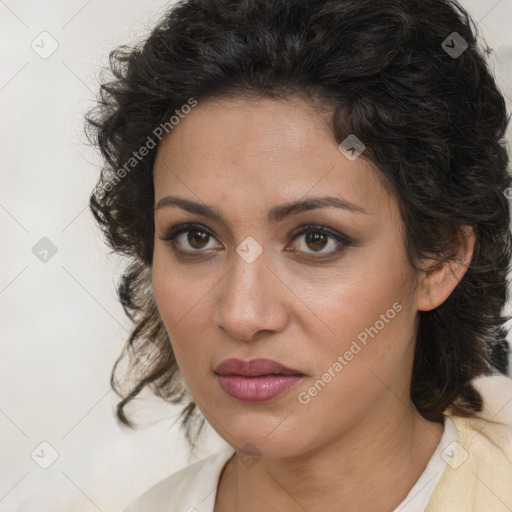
(313, 199)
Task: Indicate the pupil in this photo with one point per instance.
(315, 239)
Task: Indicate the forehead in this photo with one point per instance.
(247, 150)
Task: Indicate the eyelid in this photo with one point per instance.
(320, 228)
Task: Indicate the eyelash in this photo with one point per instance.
(343, 242)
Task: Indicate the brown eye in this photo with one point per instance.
(316, 241)
(312, 241)
(197, 239)
(191, 238)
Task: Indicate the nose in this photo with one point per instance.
(252, 299)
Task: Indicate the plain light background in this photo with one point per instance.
(62, 327)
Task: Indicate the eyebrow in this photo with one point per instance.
(276, 214)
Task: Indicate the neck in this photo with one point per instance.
(372, 462)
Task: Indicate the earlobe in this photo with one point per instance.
(438, 282)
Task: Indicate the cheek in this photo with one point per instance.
(371, 318)
(369, 290)
(181, 291)
(181, 302)
(372, 348)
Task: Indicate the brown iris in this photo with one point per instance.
(316, 239)
(197, 239)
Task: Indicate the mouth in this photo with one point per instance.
(257, 380)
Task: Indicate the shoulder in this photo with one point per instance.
(478, 475)
(189, 489)
(484, 439)
(491, 430)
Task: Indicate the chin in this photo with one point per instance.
(262, 439)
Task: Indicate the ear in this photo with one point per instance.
(436, 284)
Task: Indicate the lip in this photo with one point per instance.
(257, 389)
(257, 380)
(253, 368)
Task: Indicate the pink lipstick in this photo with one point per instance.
(257, 380)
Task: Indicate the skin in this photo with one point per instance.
(360, 441)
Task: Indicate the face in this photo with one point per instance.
(326, 290)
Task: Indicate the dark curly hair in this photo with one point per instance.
(432, 121)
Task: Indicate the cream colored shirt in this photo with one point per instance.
(470, 470)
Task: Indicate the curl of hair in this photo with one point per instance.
(434, 126)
